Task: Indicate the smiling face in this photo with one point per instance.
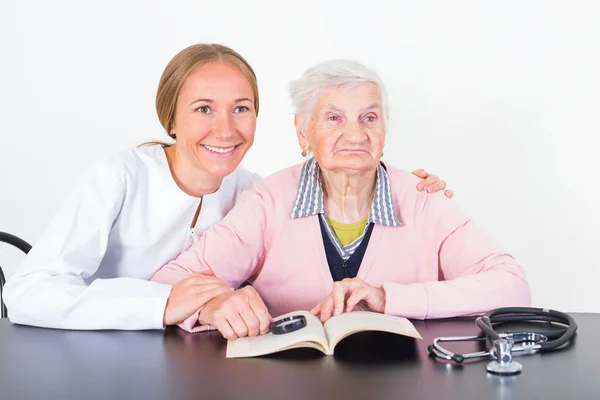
(346, 130)
(215, 118)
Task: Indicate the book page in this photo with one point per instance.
(312, 335)
(340, 326)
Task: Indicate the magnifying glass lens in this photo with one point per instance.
(288, 324)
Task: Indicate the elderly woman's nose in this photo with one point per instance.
(353, 132)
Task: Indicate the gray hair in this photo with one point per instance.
(304, 91)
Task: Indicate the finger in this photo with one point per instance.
(436, 187)
(265, 324)
(201, 287)
(356, 297)
(339, 297)
(199, 277)
(251, 321)
(317, 309)
(430, 180)
(208, 272)
(421, 173)
(327, 308)
(347, 286)
(262, 313)
(204, 280)
(237, 323)
(225, 328)
(193, 291)
(208, 295)
(449, 193)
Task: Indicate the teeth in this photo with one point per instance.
(219, 149)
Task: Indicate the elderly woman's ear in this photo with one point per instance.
(431, 183)
(302, 141)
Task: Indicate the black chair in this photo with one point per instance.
(19, 244)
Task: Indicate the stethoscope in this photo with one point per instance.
(505, 344)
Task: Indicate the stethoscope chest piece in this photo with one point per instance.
(503, 363)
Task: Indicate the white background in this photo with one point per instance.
(500, 98)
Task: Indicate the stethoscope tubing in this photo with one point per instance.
(527, 314)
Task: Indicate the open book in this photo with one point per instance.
(323, 337)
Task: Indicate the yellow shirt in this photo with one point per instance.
(347, 233)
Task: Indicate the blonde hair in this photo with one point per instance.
(183, 64)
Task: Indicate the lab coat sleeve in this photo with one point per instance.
(475, 275)
(49, 290)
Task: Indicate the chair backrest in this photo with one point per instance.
(19, 244)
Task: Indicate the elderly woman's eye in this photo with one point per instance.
(203, 109)
(370, 118)
(333, 118)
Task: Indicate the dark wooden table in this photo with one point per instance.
(38, 363)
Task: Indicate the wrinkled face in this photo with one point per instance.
(346, 130)
(215, 119)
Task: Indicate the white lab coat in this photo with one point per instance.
(125, 219)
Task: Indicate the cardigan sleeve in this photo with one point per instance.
(233, 249)
(475, 275)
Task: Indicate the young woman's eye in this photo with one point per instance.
(240, 109)
(204, 109)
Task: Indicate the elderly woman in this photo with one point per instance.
(344, 230)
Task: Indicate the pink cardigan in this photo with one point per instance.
(437, 264)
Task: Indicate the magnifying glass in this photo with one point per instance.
(288, 324)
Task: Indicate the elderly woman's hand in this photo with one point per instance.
(348, 294)
(431, 183)
(237, 314)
